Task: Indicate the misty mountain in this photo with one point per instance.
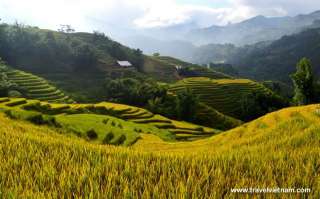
(217, 43)
(257, 29)
(175, 48)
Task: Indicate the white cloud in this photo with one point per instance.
(279, 7)
(87, 15)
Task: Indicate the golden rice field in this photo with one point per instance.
(281, 149)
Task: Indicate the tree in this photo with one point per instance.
(86, 59)
(303, 80)
(187, 105)
(66, 29)
(156, 54)
(138, 60)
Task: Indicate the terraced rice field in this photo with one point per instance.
(37, 87)
(147, 122)
(223, 95)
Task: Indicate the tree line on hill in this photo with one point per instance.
(275, 60)
(45, 51)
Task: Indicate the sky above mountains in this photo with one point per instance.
(103, 15)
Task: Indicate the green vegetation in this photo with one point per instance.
(278, 150)
(282, 89)
(136, 92)
(232, 97)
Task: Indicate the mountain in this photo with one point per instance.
(216, 43)
(175, 48)
(277, 60)
(256, 29)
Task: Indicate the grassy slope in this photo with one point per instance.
(194, 70)
(223, 95)
(278, 150)
(160, 70)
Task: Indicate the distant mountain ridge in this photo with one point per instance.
(253, 30)
(192, 44)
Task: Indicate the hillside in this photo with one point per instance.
(74, 60)
(277, 150)
(239, 98)
(104, 122)
(160, 70)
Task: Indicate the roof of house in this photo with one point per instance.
(124, 63)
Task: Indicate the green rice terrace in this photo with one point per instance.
(224, 95)
(106, 123)
(37, 87)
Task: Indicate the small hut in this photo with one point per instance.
(124, 64)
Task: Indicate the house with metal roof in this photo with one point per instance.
(125, 64)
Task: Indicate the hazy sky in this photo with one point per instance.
(88, 15)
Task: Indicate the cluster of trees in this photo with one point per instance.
(153, 96)
(257, 104)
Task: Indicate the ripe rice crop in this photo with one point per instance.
(281, 149)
